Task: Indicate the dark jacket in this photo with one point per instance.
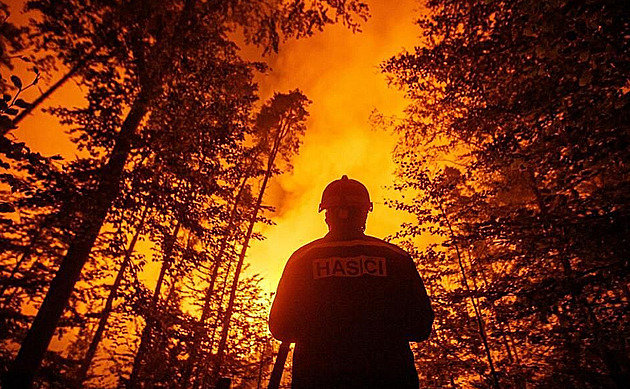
(351, 307)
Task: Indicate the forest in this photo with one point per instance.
(124, 263)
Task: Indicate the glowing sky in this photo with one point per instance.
(339, 72)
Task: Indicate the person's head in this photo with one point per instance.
(347, 203)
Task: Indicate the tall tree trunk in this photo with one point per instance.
(146, 331)
(67, 208)
(205, 313)
(29, 358)
(476, 309)
(202, 378)
(490, 304)
(241, 259)
(96, 339)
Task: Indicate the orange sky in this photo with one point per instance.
(339, 72)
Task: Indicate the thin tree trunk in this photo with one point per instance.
(25, 255)
(265, 358)
(479, 319)
(252, 222)
(52, 89)
(499, 324)
(146, 331)
(48, 221)
(96, 339)
(29, 358)
(199, 335)
(177, 276)
(201, 378)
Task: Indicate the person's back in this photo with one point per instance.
(351, 303)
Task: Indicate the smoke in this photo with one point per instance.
(339, 72)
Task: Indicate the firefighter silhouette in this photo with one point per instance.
(351, 303)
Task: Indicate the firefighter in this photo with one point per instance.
(351, 303)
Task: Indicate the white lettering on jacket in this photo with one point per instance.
(349, 267)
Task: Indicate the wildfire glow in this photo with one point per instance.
(338, 71)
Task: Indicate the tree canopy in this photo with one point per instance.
(163, 145)
(514, 150)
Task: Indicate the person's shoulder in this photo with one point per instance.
(365, 241)
(374, 241)
(306, 248)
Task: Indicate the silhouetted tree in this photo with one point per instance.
(530, 102)
(134, 57)
(280, 127)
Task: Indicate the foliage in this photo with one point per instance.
(161, 153)
(529, 100)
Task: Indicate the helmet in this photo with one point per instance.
(345, 192)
